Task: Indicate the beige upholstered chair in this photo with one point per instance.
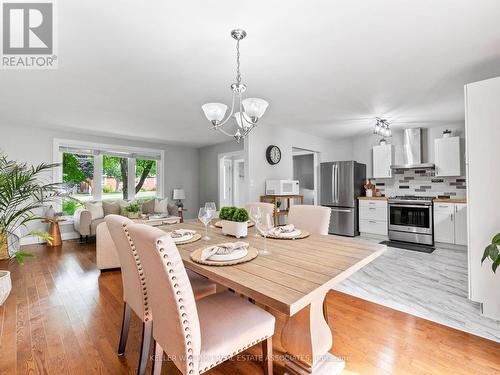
(135, 294)
(314, 219)
(196, 336)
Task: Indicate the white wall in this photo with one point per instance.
(208, 169)
(34, 145)
(362, 145)
(483, 175)
(259, 170)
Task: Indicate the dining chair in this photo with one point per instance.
(135, 293)
(195, 336)
(314, 219)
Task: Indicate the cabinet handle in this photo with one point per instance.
(443, 206)
(371, 221)
(371, 208)
(451, 217)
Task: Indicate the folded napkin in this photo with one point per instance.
(223, 248)
(276, 231)
(178, 233)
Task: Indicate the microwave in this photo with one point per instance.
(282, 187)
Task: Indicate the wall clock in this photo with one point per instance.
(273, 154)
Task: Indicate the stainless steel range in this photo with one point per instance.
(410, 219)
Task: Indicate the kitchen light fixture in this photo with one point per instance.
(382, 128)
(250, 110)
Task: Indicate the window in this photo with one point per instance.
(78, 178)
(104, 172)
(114, 177)
(145, 179)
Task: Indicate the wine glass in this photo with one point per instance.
(255, 214)
(264, 225)
(204, 216)
(212, 208)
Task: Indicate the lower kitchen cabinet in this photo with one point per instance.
(373, 217)
(450, 223)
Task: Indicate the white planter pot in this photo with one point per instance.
(5, 286)
(234, 228)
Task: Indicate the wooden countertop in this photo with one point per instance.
(450, 200)
(372, 198)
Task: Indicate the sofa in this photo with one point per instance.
(87, 219)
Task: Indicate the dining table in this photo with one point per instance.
(293, 281)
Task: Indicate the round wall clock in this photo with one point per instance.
(273, 154)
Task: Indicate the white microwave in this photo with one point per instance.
(282, 187)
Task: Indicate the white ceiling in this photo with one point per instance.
(327, 67)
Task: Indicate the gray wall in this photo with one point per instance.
(34, 145)
(303, 171)
(208, 175)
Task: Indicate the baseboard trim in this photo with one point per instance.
(31, 239)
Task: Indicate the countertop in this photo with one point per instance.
(450, 200)
(372, 198)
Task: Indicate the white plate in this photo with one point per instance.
(238, 254)
(295, 233)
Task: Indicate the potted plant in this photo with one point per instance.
(492, 251)
(23, 192)
(234, 221)
(133, 210)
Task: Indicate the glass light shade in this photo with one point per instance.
(238, 120)
(387, 132)
(377, 128)
(254, 107)
(214, 111)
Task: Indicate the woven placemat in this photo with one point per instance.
(219, 224)
(196, 257)
(196, 237)
(303, 234)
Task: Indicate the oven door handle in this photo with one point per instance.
(410, 205)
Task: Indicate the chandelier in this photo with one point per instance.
(382, 128)
(248, 111)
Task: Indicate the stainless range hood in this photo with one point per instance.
(412, 150)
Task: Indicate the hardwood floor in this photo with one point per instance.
(63, 316)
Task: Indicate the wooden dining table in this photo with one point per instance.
(293, 280)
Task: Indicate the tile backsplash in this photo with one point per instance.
(421, 182)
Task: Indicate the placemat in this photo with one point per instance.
(219, 224)
(303, 234)
(196, 237)
(196, 257)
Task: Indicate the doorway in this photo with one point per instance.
(232, 181)
(305, 170)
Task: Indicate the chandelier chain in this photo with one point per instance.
(238, 74)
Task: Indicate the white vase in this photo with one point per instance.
(234, 228)
(5, 286)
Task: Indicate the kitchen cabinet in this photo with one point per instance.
(444, 227)
(450, 223)
(461, 224)
(373, 217)
(383, 158)
(447, 156)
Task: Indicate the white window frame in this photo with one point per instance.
(57, 157)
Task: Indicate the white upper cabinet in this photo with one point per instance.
(383, 158)
(447, 156)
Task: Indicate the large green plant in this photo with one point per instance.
(234, 214)
(491, 251)
(23, 191)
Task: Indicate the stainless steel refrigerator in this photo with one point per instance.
(341, 183)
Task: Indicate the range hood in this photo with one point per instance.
(412, 150)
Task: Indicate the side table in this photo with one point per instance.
(54, 230)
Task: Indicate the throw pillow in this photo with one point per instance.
(161, 206)
(173, 210)
(95, 209)
(148, 207)
(111, 208)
